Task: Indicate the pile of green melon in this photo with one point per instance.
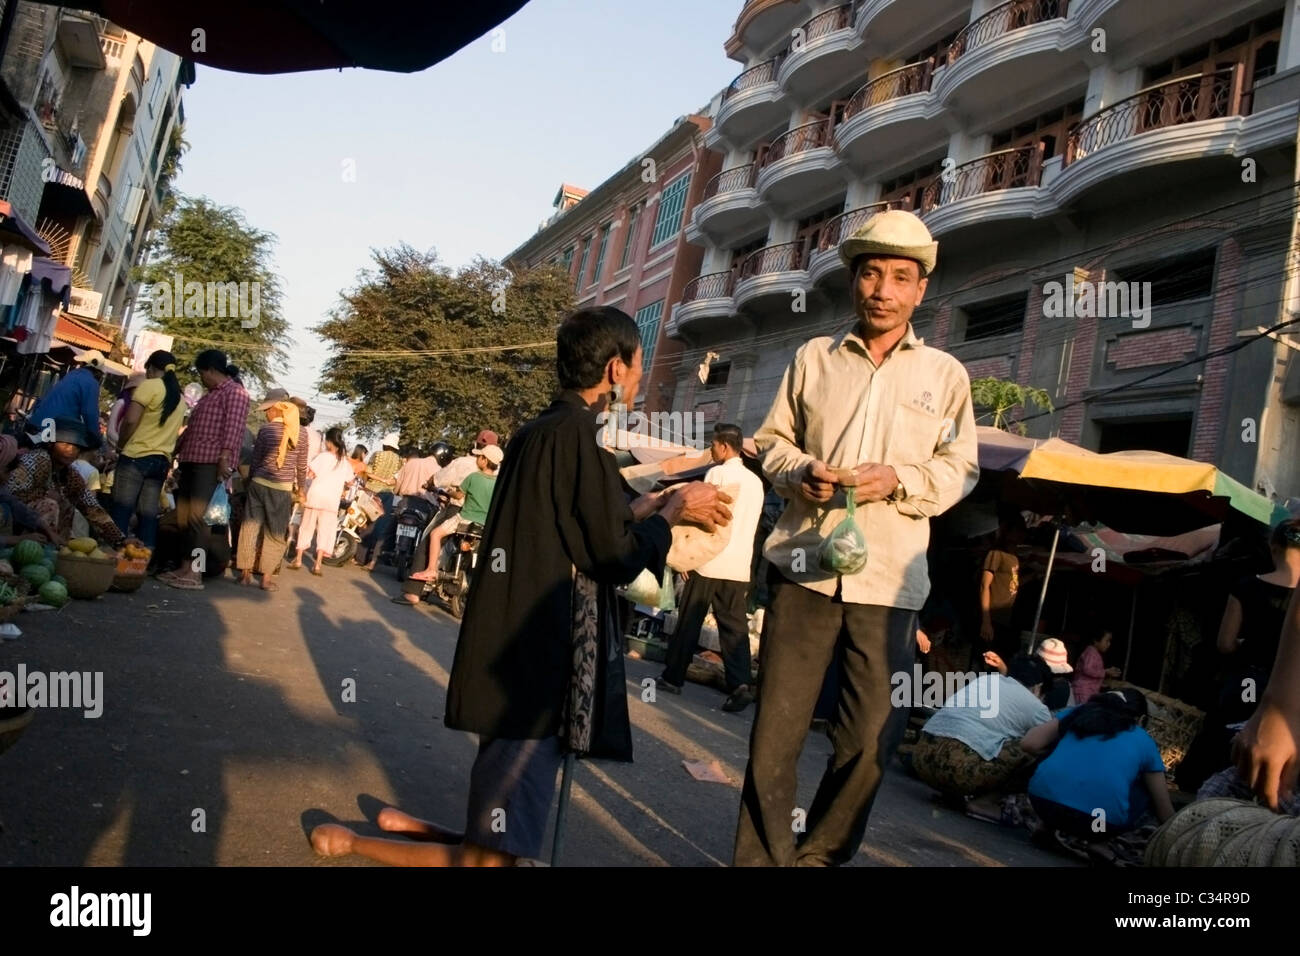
(36, 565)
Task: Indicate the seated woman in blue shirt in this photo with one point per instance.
(1105, 771)
(75, 397)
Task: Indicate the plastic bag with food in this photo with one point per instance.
(844, 550)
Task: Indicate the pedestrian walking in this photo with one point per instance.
(279, 464)
(538, 667)
(877, 414)
(207, 453)
(329, 472)
(723, 582)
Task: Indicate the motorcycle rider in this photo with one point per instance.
(464, 466)
(476, 494)
(379, 480)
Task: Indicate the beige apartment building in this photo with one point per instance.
(89, 115)
(1110, 183)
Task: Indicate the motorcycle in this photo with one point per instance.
(357, 512)
(415, 517)
(456, 563)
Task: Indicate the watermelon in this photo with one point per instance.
(38, 574)
(27, 552)
(53, 593)
(59, 579)
(6, 554)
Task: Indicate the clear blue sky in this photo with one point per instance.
(464, 158)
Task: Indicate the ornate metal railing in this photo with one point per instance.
(842, 226)
(715, 285)
(913, 78)
(785, 257)
(765, 72)
(1001, 20)
(1188, 99)
(826, 22)
(729, 180)
(797, 140)
(1005, 169)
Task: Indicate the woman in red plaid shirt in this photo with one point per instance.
(208, 453)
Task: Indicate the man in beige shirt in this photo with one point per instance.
(876, 413)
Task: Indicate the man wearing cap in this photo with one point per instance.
(74, 398)
(875, 413)
(379, 480)
(458, 469)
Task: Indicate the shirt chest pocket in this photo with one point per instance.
(913, 436)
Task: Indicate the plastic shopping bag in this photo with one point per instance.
(218, 512)
(667, 592)
(844, 550)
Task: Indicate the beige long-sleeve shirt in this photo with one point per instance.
(912, 412)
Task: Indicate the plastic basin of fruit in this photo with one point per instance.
(87, 577)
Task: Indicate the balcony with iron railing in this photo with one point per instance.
(704, 297)
(1011, 52)
(730, 205)
(822, 51)
(762, 23)
(801, 162)
(900, 100)
(751, 104)
(824, 256)
(1206, 116)
(769, 275)
(1002, 184)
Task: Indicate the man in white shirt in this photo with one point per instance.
(461, 468)
(722, 582)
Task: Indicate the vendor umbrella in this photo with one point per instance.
(1144, 492)
(287, 36)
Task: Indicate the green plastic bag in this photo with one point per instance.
(667, 593)
(844, 550)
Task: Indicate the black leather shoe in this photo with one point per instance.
(740, 698)
(668, 686)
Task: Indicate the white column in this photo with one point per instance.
(861, 194)
(981, 7)
(1288, 54)
(1107, 87)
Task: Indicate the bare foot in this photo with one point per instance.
(394, 820)
(332, 839)
(246, 579)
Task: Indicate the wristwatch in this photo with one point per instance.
(898, 494)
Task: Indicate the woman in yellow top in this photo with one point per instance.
(146, 440)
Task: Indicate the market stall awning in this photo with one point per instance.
(1133, 472)
(65, 195)
(72, 332)
(14, 230)
(286, 36)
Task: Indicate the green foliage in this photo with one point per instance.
(997, 397)
(410, 302)
(203, 242)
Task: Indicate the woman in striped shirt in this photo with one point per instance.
(279, 464)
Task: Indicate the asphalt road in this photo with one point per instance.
(224, 736)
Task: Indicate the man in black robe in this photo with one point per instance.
(537, 670)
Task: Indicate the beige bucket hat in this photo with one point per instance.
(892, 233)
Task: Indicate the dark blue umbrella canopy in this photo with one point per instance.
(289, 36)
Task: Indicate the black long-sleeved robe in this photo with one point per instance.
(559, 503)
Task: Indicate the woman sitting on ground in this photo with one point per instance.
(1091, 668)
(1057, 693)
(15, 515)
(970, 749)
(1104, 773)
(44, 480)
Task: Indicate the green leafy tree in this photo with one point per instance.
(431, 316)
(997, 397)
(236, 305)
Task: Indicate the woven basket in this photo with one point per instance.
(1170, 722)
(1226, 832)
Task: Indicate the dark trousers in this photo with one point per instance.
(800, 635)
(373, 541)
(194, 487)
(729, 599)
